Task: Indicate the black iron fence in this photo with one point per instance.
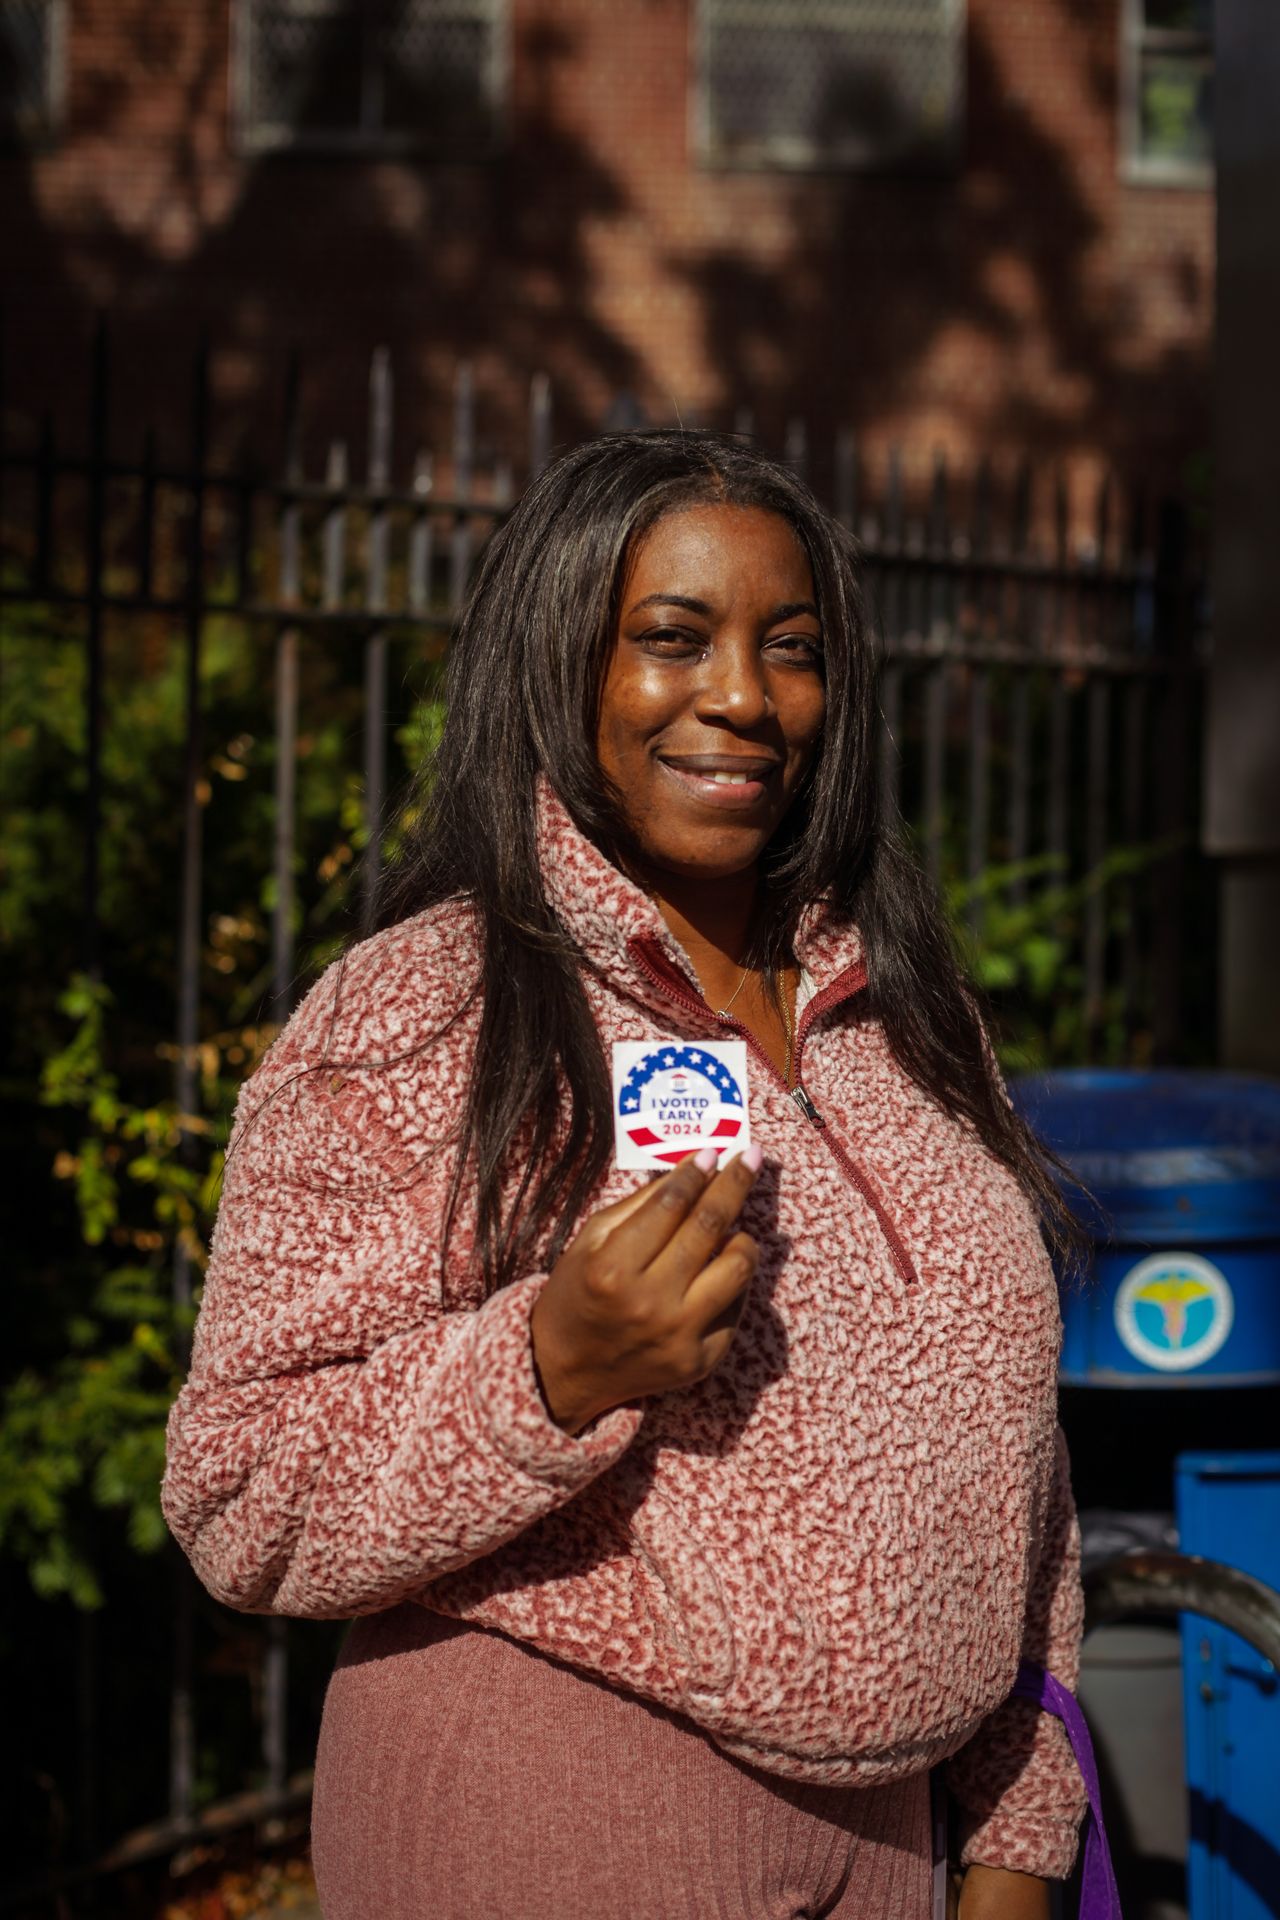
(1040, 696)
(1038, 688)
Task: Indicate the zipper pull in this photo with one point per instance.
(806, 1105)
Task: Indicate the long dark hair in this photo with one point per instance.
(523, 687)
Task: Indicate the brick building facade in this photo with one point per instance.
(943, 224)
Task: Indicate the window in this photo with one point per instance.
(369, 75)
(1167, 91)
(30, 70)
(830, 83)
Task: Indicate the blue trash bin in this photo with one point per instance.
(1229, 1510)
(1185, 1168)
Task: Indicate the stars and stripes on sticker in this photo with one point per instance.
(675, 1097)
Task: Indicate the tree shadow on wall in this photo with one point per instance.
(872, 311)
(324, 250)
(882, 268)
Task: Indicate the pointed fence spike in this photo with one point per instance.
(464, 429)
(982, 496)
(847, 478)
(464, 449)
(292, 458)
(893, 494)
(334, 539)
(539, 423)
(1022, 503)
(421, 535)
(380, 418)
(1103, 517)
(939, 526)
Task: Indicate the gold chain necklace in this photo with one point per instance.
(733, 996)
(788, 1022)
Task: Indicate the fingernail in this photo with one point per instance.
(706, 1159)
(753, 1157)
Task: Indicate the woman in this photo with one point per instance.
(692, 1521)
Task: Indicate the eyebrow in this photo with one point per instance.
(787, 611)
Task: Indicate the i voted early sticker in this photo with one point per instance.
(671, 1098)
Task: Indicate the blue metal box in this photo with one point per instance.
(1185, 1168)
(1229, 1510)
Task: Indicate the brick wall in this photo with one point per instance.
(1031, 300)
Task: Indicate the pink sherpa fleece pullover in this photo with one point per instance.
(831, 1554)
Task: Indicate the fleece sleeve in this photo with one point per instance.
(1018, 1790)
(343, 1438)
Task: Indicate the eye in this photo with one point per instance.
(671, 640)
(805, 649)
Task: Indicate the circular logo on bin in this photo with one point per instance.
(1173, 1311)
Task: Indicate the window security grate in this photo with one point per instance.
(1167, 92)
(382, 75)
(830, 83)
(29, 69)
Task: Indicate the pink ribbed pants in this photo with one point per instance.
(463, 1776)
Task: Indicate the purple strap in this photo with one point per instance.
(1099, 1895)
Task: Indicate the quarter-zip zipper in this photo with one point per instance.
(829, 997)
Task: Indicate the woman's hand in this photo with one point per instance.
(997, 1893)
(649, 1294)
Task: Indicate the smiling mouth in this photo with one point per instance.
(721, 780)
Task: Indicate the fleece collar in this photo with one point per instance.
(620, 932)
